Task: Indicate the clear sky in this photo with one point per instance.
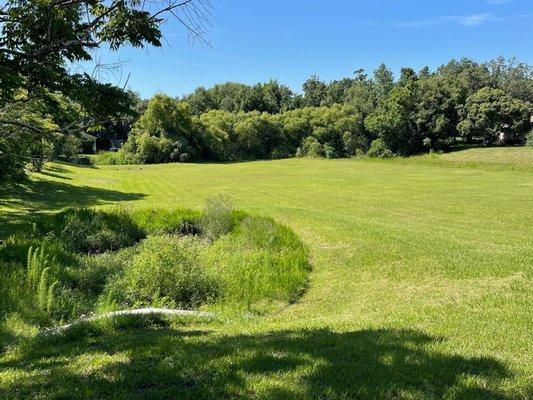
(291, 39)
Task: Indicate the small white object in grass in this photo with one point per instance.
(139, 311)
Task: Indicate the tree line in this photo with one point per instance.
(376, 115)
(49, 109)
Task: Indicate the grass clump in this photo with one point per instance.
(14, 295)
(167, 271)
(160, 221)
(16, 248)
(115, 158)
(217, 218)
(260, 261)
(84, 230)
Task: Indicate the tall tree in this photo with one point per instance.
(490, 111)
(315, 91)
(383, 80)
(394, 121)
(513, 77)
(41, 39)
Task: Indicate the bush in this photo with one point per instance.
(312, 148)
(93, 271)
(217, 218)
(88, 231)
(121, 157)
(166, 271)
(529, 138)
(379, 149)
(329, 151)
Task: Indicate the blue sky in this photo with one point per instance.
(290, 40)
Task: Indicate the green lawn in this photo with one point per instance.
(421, 284)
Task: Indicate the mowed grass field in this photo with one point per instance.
(421, 285)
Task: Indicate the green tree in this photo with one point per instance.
(315, 91)
(201, 101)
(395, 120)
(463, 78)
(337, 91)
(219, 136)
(164, 133)
(41, 39)
(490, 111)
(259, 135)
(436, 115)
(513, 77)
(383, 81)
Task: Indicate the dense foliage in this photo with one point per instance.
(486, 103)
(40, 41)
(80, 261)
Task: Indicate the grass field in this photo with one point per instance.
(421, 284)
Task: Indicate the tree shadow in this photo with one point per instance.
(300, 364)
(25, 200)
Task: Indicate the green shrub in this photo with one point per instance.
(179, 221)
(379, 149)
(329, 151)
(260, 261)
(166, 271)
(529, 138)
(93, 271)
(312, 148)
(89, 231)
(217, 218)
(80, 285)
(120, 157)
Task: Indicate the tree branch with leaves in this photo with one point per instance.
(41, 39)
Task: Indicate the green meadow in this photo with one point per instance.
(421, 284)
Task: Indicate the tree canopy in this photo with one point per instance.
(420, 111)
(41, 39)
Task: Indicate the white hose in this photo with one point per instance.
(139, 311)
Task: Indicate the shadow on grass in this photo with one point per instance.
(27, 199)
(308, 364)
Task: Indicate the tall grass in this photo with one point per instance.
(161, 221)
(81, 260)
(217, 217)
(115, 158)
(166, 271)
(260, 261)
(91, 231)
